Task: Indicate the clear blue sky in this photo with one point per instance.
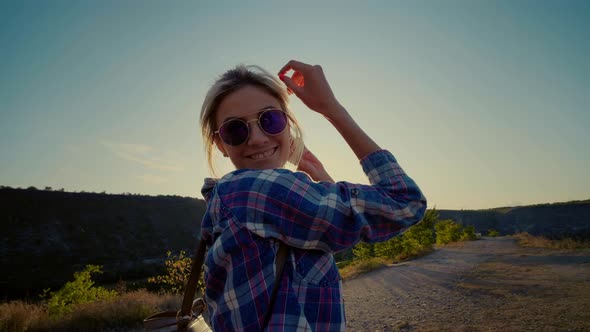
(484, 103)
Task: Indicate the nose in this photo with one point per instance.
(257, 136)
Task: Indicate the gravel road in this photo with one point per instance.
(491, 284)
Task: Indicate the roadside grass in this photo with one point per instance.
(417, 241)
(527, 240)
(122, 313)
(355, 268)
(363, 266)
(20, 316)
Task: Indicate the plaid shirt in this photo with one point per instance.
(250, 211)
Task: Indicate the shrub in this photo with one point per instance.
(178, 268)
(420, 237)
(363, 251)
(447, 231)
(493, 232)
(468, 233)
(79, 291)
(417, 240)
(390, 248)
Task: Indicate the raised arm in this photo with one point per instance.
(310, 85)
(278, 203)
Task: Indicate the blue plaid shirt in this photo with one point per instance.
(250, 211)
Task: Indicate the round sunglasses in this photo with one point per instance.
(236, 131)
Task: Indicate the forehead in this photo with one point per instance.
(244, 101)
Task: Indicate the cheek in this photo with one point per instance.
(286, 145)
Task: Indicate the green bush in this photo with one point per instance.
(178, 268)
(420, 237)
(493, 232)
(390, 248)
(468, 233)
(416, 240)
(363, 250)
(447, 231)
(79, 291)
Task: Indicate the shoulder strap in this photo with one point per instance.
(279, 263)
(197, 264)
(191, 285)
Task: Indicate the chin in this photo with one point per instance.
(261, 166)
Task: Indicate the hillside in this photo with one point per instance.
(550, 220)
(46, 235)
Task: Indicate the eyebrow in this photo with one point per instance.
(237, 117)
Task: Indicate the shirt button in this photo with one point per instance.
(354, 192)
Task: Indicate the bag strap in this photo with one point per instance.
(279, 264)
(185, 313)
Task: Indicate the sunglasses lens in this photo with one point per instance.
(234, 132)
(273, 122)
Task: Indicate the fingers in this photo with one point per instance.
(296, 81)
(291, 86)
(309, 156)
(295, 65)
(298, 78)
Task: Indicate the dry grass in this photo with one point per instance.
(351, 269)
(20, 316)
(125, 312)
(362, 266)
(527, 240)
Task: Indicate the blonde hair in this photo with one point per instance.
(231, 81)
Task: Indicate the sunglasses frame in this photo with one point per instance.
(247, 123)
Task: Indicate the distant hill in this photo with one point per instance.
(556, 220)
(47, 235)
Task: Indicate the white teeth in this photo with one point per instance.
(263, 154)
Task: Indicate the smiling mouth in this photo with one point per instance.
(264, 154)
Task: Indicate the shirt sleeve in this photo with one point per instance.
(293, 208)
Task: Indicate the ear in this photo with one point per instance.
(220, 147)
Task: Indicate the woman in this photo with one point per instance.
(260, 204)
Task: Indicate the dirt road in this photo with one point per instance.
(490, 284)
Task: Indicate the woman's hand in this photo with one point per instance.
(311, 86)
(311, 165)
